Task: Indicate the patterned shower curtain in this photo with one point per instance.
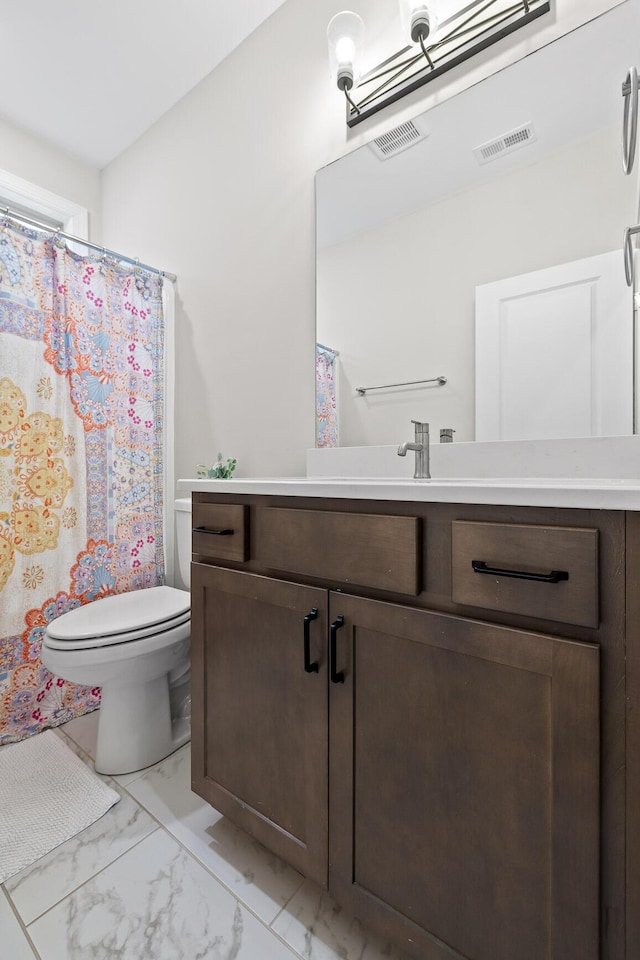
(81, 455)
(326, 397)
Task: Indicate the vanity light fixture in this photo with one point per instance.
(443, 34)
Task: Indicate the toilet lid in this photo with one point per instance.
(123, 614)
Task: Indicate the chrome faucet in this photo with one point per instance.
(421, 447)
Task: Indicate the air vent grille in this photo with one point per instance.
(396, 140)
(508, 142)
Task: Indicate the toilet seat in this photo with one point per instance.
(120, 619)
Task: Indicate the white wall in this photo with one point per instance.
(32, 159)
(220, 191)
(400, 285)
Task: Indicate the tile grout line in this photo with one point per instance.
(191, 856)
(189, 853)
(289, 899)
(21, 924)
(268, 926)
(202, 863)
(245, 906)
(113, 785)
(84, 882)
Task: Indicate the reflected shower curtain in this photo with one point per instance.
(326, 397)
(81, 455)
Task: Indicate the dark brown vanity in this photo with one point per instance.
(432, 710)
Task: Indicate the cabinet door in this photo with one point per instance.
(259, 719)
(464, 785)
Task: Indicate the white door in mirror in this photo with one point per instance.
(554, 353)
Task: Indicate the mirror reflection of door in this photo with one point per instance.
(554, 353)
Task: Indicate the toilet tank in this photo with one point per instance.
(182, 509)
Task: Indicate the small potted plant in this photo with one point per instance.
(221, 470)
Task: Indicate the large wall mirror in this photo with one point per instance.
(489, 253)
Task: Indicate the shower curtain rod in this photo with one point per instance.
(14, 215)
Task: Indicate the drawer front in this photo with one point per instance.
(550, 573)
(220, 531)
(381, 552)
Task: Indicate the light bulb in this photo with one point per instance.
(345, 35)
(345, 51)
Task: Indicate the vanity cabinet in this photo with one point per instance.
(450, 763)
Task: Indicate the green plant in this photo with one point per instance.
(219, 471)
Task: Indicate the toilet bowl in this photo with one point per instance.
(135, 646)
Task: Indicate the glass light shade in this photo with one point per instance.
(345, 35)
(420, 17)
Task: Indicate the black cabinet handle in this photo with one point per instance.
(213, 533)
(554, 576)
(308, 666)
(336, 677)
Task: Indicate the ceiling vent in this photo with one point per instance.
(396, 140)
(507, 143)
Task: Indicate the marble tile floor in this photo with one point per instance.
(163, 876)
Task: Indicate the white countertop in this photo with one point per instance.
(597, 494)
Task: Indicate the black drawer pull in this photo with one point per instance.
(213, 533)
(308, 666)
(336, 676)
(555, 576)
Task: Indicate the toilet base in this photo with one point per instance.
(123, 713)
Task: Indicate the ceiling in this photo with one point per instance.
(90, 76)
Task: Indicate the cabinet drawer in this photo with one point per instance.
(220, 531)
(550, 573)
(381, 552)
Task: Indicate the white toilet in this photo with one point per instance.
(136, 647)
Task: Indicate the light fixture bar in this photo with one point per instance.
(401, 74)
(417, 58)
(494, 20)
(461, 27)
